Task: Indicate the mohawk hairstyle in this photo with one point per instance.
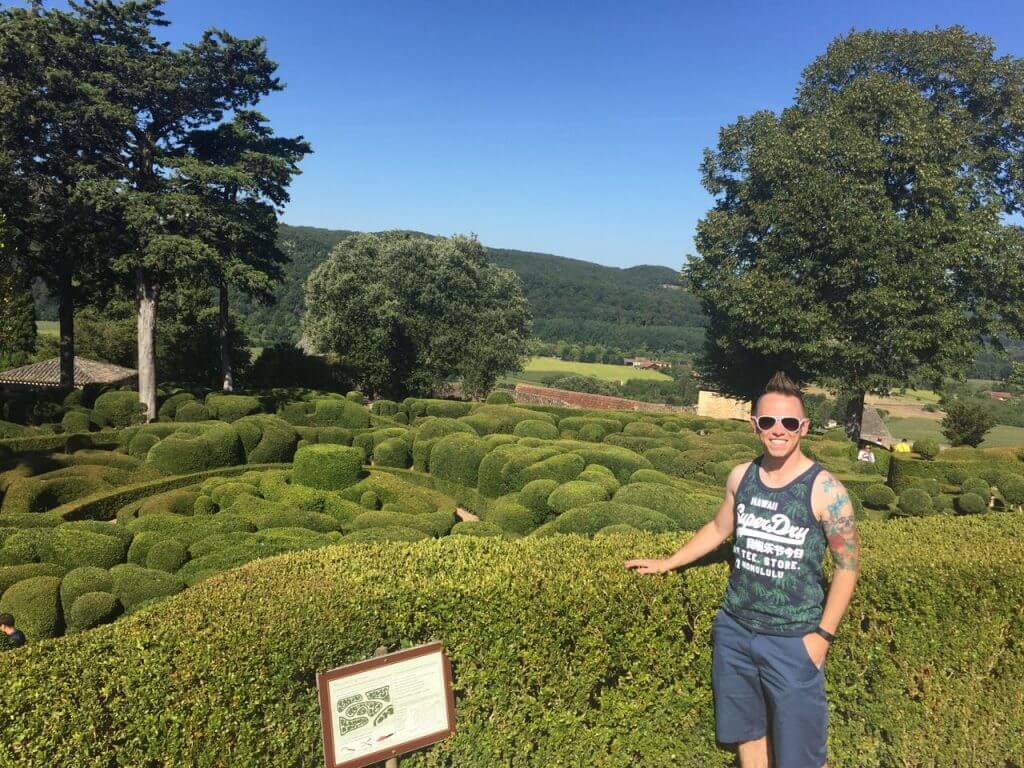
(781, 384)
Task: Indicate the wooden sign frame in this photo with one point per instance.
(324, 679)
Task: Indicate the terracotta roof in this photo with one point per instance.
(47, 373)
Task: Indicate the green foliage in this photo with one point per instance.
(166, 555)
(491, 419)
(197, 448)
(119, 408)
(536, 428)
(476, 528)
(970, 562)
(191, 412)
(379, 535)
(500, 397)
(13, 574)
(393, 452)
(456, 458)
(76, 548)
(405, 312)
(975, 485)
(966, 423)
(285, 365)
(81, 581)
(1012, 490)
(591, 518)
(170, 405)
(266, 439)
(687, 512)
(970, 504)
(915, 502)
(135, 585)
(878, 497)
(35, 604)
(948, 107)
(17, 313)
(327, 467)
(575, 493)
(91, 610)
(231, 407)
(927, 448)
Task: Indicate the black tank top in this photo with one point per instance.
(776, 586)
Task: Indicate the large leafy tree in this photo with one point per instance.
(241, 171)
(52, 142)
(17, 315)
(857, 239)
(162, 96)
(405, 313)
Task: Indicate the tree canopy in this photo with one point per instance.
(405, 313)
(856, 239)
(17, 316)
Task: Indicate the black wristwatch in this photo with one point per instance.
(824, 633)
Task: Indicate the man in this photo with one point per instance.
(772, 634)
(902, 446)
(15, 637)
(866, 454)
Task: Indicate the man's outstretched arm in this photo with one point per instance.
(706, 540)
(832, 506)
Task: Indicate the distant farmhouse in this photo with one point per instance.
(1002, 397)
(642, 363)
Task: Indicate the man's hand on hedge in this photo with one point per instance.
(648, 566)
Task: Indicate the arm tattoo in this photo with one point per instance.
(840, 529)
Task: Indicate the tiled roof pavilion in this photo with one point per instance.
(47, 374)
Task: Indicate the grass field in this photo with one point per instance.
(539, 367)
(47, 327)
(916, 428)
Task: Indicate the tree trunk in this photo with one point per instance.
(145, 306)
(227, 375)
(66, 315)
(855, 415)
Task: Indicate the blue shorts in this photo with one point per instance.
(761, 680)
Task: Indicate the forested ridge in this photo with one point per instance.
(570, 299)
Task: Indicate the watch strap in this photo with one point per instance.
(824, 633)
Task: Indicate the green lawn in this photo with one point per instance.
(47, 327)
(539, 367)
(1000, 436)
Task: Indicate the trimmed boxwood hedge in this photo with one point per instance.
(35, 604)
(614, 668)
(91, 610)
(119, 408)
(327, 467)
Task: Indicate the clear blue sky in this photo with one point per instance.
(569, 128)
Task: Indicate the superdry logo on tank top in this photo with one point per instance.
(776, 582)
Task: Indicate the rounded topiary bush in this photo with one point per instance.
(475, 528)
(378, 535)
(369, 499)
(595, 473)
(82, 580)
(77, 548)
(511, 516)
(575, 493)
(384, 407)
(191, 411)
(500, 397)
(393, 452)
(1013, 490)
(535, 428)
(120, 408)
(456, 458)
(12, 574)
(970, 504)
(92, 610)
(76, 421)
(611, 530)
(650, 476)
(591, 518)
(231, 408)
(135, 585)
(327, 467)
(975, 485)
(927, 447)
(878, 496)
(169, 407)
(534, 496)
(167, 555)
(355, 396)
(266, 439)
(591, 433)
(915, 502)
(36, 606)
(956, 475)
(197, 448)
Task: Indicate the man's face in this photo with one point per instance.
(779, 442)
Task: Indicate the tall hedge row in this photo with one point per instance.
(550, 669)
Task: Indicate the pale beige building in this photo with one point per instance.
(715, 406)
